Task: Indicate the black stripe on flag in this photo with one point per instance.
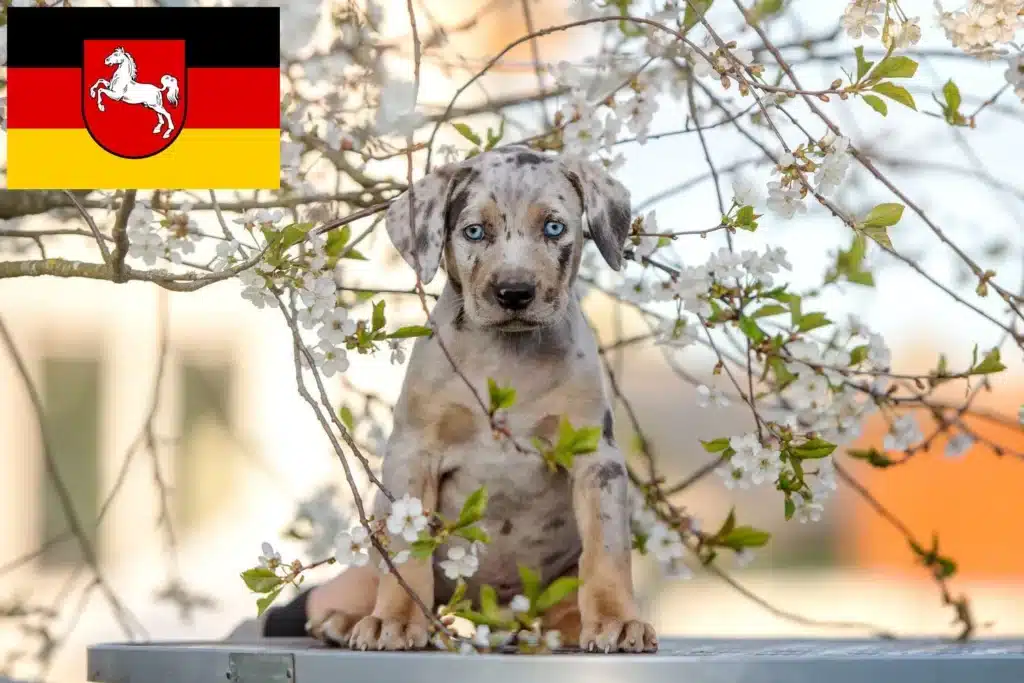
(214, 36)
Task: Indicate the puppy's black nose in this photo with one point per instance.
(515, 296)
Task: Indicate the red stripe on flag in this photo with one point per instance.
(216, 98)
(233, 98)
(44, 98)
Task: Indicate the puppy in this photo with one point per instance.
(509, 226)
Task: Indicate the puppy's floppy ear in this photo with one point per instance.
(420, 238)
(607, 205)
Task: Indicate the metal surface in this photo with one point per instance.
(678, 661)
(261, 667)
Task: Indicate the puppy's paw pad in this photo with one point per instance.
(638, 636)
(365, 634)
(334, 629)
(614, 635)
(396, 634)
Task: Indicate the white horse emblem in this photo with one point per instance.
(123, 88)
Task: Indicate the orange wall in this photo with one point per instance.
(975, 502)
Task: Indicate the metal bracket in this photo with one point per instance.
(258, 667)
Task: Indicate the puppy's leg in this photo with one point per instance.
(564, 618)
(397, 622)
(334, 608)
(608, 611)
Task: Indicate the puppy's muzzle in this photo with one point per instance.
(514, 295)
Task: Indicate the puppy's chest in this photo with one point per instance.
(529, 516)
(514, 478)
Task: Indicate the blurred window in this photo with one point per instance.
(71, 398)
(208, 467)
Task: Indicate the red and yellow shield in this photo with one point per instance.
(133, 94)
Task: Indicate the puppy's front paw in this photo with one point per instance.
(372, 633)
(617, 635)
(334, 629)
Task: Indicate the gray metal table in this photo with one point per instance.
(678, 661)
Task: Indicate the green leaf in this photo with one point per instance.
(577, 441)
(530, 581)
(422, 548)
(863, 66)
(897, 94)
(458, 600)
(336, 240)
(789, 508)
(812, 321)
(260, 579)
(782, 375)
(474, 507)
(347, 419)
(355, 255)
(410, 331)
(878, 234)
(946, 567)
(264, 602)
(815, 448)
(849, 264)
(862, 277)
(494, 139)
(745, 537)
(640, 542)
(460, 592)
(501, 397)
(478, 619)
(557, 590)
(951, 106)
(377, 321)
(473, 533)
(795, 307)
(765, 8)
(750, 329)
(695, 9)
(859, 354)
(884, 215)
(989, 364)
(952, 94)
(798, 469)
(728, 525)
(467, 132)
(877, 103)
(488, 600)
(716, 445)
(878, 219)
(745, 219)
(293, 234)
(769, 309)
(872, 456)
(894, 67)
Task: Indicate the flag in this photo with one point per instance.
(143, 98)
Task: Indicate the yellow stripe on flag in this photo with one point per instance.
(200, 158)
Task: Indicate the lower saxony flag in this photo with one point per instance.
(143, 98)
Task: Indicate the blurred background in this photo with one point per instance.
(238, 451)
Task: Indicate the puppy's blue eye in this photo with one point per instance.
(553, 229)
(474, 232)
